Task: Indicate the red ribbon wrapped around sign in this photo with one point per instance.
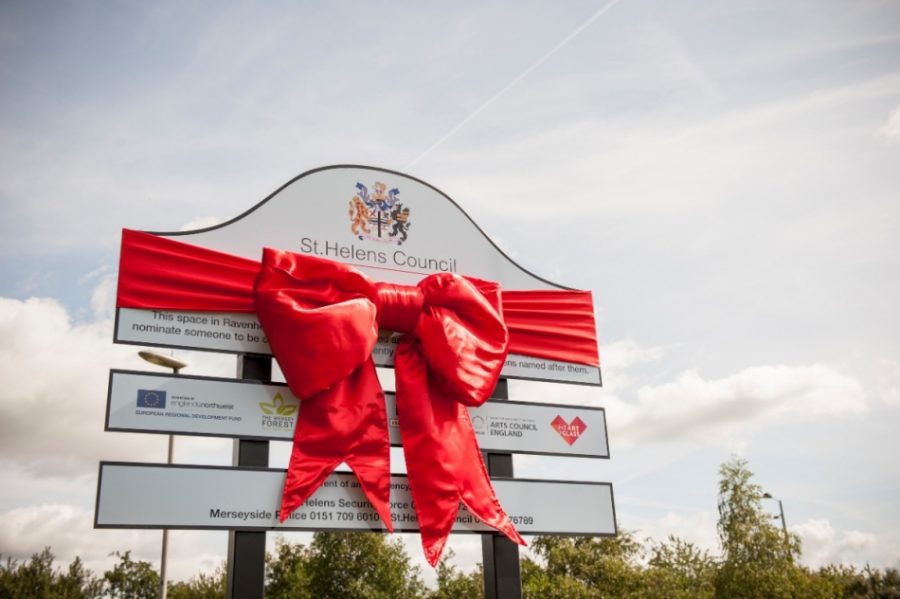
(322, 320)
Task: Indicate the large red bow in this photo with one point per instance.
(322, 319)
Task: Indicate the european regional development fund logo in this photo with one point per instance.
(379, 215)
(149, 398)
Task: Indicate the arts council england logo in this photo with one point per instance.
(379, 215)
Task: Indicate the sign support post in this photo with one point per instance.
(246, 568)
(500, 556)
(163, 586)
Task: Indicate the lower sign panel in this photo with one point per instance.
(209, 497)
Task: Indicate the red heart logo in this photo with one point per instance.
(569, 431)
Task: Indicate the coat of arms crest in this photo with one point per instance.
(379, 215)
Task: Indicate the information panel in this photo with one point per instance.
(242, 333)
(193, 405)
(210, 497)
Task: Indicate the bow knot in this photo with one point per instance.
(322, 319)
(398, 306)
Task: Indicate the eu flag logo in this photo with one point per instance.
(151, 399)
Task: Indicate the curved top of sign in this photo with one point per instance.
(392, 226)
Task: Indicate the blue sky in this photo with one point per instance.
(722, 175)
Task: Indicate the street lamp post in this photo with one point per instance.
(781, 512)
(176, 366)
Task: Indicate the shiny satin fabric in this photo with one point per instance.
(322, 319)
(159, 272)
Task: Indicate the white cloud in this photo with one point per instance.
(891, 127)
(889, 383)
(55, 374)
(625, 353)
(615, 359)
(693, 407)
(52, 404)
(697, 527)
(823, 545)
(103, 298)
(68, 531)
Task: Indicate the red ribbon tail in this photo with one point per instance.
(438, 491)
(376, 486)
(346, 423)
(305, 474)
(480, 499)
(443, 460)
(433, 542)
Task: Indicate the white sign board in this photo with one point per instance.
(209, 497)
(316, 213)
(191, 405)
(405, 230)
(242, 333)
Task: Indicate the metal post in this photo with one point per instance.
(176, 366)
(165, 540)
(787, 539)
(502, 578)
(783, 523)
(246, 569)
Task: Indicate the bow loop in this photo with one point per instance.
(463, 336)
(319, 320)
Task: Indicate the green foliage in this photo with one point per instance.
(758, 559)
(36, 579)
(679, 570)
(31, 579)
(287, 572)
(131, 579)
(453, 584)
(851, 583)
(202, 586)
(583, 568)
(78, 582)
(346, 565)
(362, 566)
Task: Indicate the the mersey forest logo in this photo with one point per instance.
(278, 414)
(379, 215)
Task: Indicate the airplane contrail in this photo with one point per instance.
(521, 76)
